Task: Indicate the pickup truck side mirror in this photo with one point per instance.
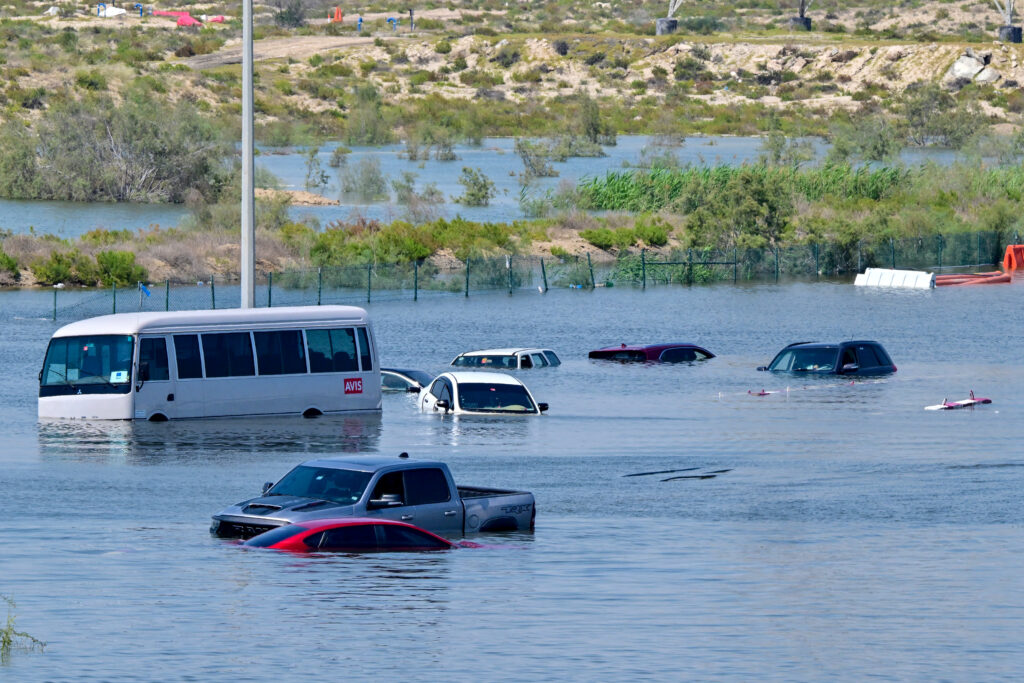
(762, 368)
(443, 404)
(267, 485)
(542, 407)
(850, 367)
(413, 390)
(382, 504)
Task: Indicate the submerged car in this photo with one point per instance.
(479, 393)
(857, 357)
(393, 379)
(351, 535)
(507, 359)
(653, 353)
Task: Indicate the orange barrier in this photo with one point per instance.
(994, 277)
(999, 280)
(1014, 258)
(338, 17)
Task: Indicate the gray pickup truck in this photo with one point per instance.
(420, 492)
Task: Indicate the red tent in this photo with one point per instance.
(188, 20)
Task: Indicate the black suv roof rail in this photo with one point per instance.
(799, 344)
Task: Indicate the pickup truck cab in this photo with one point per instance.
(420, 492)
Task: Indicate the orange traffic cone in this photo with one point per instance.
(338, 16)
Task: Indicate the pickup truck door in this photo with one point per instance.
(429, 500)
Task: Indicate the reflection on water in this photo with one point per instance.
(205, 439)
(845, 529)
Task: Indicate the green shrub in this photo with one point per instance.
(9, 265)
(652, 231)
(72, 268)
(119, 268)
(479, 188)
(102, 237)
(559, 252)
(443, 47)
(606, 238)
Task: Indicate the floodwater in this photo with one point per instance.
(495, 157)
(848, 533)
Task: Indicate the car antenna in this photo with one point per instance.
(403, 454)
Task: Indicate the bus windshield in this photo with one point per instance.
(101, 362)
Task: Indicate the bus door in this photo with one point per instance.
(154, 388)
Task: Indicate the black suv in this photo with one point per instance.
(844, 358)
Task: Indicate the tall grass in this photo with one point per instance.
(668, 188)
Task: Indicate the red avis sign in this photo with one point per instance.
(354, 386)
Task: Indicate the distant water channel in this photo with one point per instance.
(495, 157)
(847, 534)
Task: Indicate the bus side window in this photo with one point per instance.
(186, 353)
(153, 351)
(332, 350)
(364, 349)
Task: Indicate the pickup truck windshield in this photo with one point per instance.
(495, 398)
(338, 486)
(806, 360)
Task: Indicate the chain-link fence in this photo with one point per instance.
(414, 281)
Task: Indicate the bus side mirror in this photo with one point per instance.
(542, 407)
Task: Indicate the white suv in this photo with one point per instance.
(507, 359)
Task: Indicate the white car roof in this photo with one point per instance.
(482, 377)
(502, 352)
(226, 319)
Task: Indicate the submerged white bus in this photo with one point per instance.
(303, 360)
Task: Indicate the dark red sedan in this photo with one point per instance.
(352, 535)
(679, 352)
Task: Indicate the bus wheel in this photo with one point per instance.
(312, 412)
(158, 417)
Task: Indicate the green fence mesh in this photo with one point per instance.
(413, 281)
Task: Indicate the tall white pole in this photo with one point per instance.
(248, 203)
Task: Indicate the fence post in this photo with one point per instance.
(213, 292)
(369, 274)
(858, 257)
(544, 274)
(467, 276)
(590, 265)
(319, 284)
(817, 268)
(508, 271)
(892, 252)
(270, 289)
(55, 303)
(939, 239)
(689, 266)
(167, 294)
(979, 248)
(735, 265)
(113, 288)
(776, 264)
(138, 286)
(643, 267)
(415, 280)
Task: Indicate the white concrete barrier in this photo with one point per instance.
(887, 277)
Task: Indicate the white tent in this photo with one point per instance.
(52, 12)
(109, 12)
